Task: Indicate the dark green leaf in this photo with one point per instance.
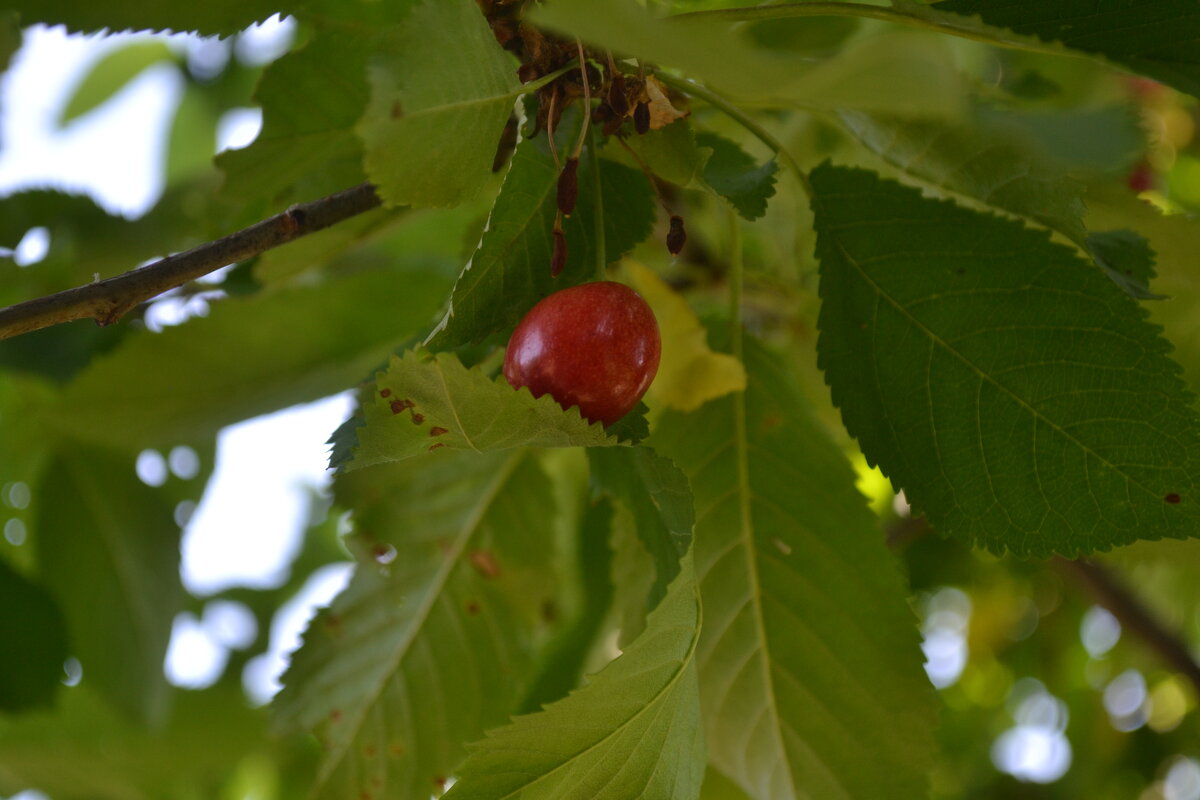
(428, 405)
(810, 677)
(1014, 393)
(1158, 38)
(311, 98)
(439, 100)
(1127, 258)
(732, 173)
(110, 74)
(251, 355)
(108, 547)
(35, 642)
(632, 731)
(510, 271)
(436, 636)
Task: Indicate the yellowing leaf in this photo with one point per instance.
(689, 374)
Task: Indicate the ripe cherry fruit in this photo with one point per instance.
(595, 346)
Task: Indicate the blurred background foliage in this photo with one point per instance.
(1045, 692)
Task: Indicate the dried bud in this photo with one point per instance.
(641, 118)
(558, 259)
(677, 236)
(617, 97)
(568, 186)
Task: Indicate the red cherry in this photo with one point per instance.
(595, 346)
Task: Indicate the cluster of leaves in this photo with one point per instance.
(697, 601)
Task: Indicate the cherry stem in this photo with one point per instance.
(649, 173)
(597, 205)
(587, 99)
(550, 127)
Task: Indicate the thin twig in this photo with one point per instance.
(587, 99)
(108, 300)
(1133, 615)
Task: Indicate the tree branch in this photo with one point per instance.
(108, 300)
(1133, 615)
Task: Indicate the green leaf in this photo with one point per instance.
(439, 101)
(436, 636)
(428, 405)
(84, 750)
(510, 271)
(311, 99)
(810, 671)
(732, 174)
(10, 37)
(1127, 259)
(1014, 393)
(670, 152)
(657, 494)
(35, 642)
(108, 547)
(110, 74)
(1157, 38)
(632, 731)
(900, 73)
(251, 355)
(223, 17)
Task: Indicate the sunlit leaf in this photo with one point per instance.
(439, 100)
(632, 731)
(1028, 405)
(510, 271)
(689, 372)
(427, 405)
(222, 17)
(434, 640)
(110, 74)
(108, 548)
(810, 676)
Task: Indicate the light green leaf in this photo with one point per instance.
(224, 17)
(110, 74)
(427, 405)
(670, 152)
(439, 101)
(10, 37)
(436, 636)
(903, 73)
(732, 174)
(810, 670)
(108, 547)
(1014, 393)
(251, 355)
(311, 99)
(632, 731)
(35, 642)
(510, 271)
(1158, 38)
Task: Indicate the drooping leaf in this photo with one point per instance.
(435, 638)
(251, 355)
(510, 271)
(110, 74)
(632, 731)
(439, 100)
(1156, 38)
(35, 642)
(732, 174)
(1014, 393)
(670, 152)
(428, 405)
(689, 372)
(311, 99)
(223, 17)
(657, 495)
(901, 73)
(108, 548)
(810, 675)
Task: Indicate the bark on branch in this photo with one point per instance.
(108, 300)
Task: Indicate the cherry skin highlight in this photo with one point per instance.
(595, 346)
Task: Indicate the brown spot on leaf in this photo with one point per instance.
(436, 445)
(472, 607)
(417, 418)
(335, 715)
(397, 110)
(438, 431)
(549, 612)
(385, 392)
(439, 781)
(370, 751)
(1172, 498)
(395, 749)
(484, 563)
